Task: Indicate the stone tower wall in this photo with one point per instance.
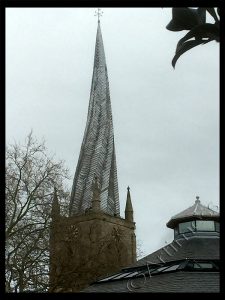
(86, 247)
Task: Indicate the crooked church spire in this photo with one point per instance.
(97, 154)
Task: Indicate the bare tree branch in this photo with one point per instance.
(31, 176)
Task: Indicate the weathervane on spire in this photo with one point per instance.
(98, 13)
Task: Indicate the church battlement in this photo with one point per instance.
(89, 215)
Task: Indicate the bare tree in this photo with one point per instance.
(30, 180)
(139, 249)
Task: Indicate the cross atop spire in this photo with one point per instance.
(98, 13)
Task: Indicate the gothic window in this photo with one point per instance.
(73, 231)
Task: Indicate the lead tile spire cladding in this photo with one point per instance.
(97, 154)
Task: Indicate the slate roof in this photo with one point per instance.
(178, 282)
(193, 247)
(195, 211)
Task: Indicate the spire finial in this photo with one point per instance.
(129, 208)
(55, 204)
(98, 13)
(197, 199)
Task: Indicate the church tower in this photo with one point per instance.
(93, 241)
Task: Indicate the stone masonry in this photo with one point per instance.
(87, 247)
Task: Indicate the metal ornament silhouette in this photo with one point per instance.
(97, 154)
(99, 14)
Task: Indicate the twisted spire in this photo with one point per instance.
(97, 154)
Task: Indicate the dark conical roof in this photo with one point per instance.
(195, 211)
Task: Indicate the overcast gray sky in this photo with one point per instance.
(166, 122)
